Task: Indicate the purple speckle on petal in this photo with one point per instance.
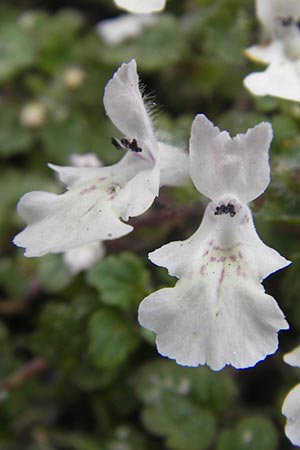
(88, 190)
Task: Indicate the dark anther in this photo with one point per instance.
(231, 210)
(125, 144)
(298, 24)
(134, 147)
(225, 209)
(116, 143)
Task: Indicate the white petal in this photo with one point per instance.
(268, 10)
(293, 358)
(218, 313)
(291, 409)
(236, 166)
(91, 209)
(57, 223)
(139, 193)
(174, 165)
(116, 30)
(220, 236)
(141, 6)
(125, 107)
(274, 52)
(197, 325)
(84, 257)
(75, 176)
(278, 80)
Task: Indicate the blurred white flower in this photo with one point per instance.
(116, 30)
(291, 404)
(218, 312)
(281, 23)
(98, 197)
(73, 77)
(85, 160)
(84, 257)
(33, 115)
(141, 6)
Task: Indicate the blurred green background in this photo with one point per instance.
(76, 370)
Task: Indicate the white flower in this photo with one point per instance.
(218, 312)
(293, 358)
(281, 21)
(291, 404)
(97, 197)
(141, 6)
(33, 115)
(116, 30)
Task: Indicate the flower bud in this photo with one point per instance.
(73, 77)
(33, 115)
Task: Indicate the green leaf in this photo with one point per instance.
(285, 133)
(252, 433)
(111, 339)
(56, 38)
(166, 35)
(53, 273)
(14, 138)
(62, 137)
(58, 337)
(17, 50)
(121, 280)
(184, 425)
(88, 377)
(202, 386)
(11, 279)
(227, 41)
(127, 438)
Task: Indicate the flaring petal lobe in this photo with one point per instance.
(236, 166)
(124, 104)
(291, 410)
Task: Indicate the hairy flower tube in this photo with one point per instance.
(291, 404)
(218, 312)
(281, 22)
(98, 197)
(141, 6)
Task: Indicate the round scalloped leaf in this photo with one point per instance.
(17, 50)
(205, 388)
(252, 433)
(121, 280)
(184, 425)
(111, 339)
